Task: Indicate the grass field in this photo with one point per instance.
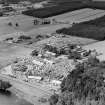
(79, 15)
(94, 29)
(9, 52)
(25, 25)
(54, 10)
(67, 6)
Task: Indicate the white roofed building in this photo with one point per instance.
(56, 82)
(36, 62)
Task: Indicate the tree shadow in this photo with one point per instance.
(5, 92)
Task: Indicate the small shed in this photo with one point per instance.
(49, 61)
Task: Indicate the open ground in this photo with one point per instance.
(26, 25)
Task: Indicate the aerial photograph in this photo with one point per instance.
(52, 52)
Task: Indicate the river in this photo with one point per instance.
(8, 98)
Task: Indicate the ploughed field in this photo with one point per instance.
(79, 15)
(94, 29)
(70, 17)
(54, 7)
(54, 10)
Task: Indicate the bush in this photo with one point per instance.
(74, 55)
(4, 85)
(53, 99)
(34, 53)
(50, 48)
(23, 37)
(42, 100)
(11, 38)
(20, 67)
(1, 14)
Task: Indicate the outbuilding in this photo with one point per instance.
(37, 62)
(56, 82)
(38, 78)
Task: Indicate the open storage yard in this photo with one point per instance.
(59, 42)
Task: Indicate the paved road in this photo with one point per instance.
(31, 93)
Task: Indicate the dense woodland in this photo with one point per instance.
(83, 86)
(4, 85)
